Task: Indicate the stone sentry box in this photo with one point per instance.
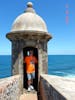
(29, 32)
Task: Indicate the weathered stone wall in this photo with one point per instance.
(10, 88)
(47, 92)
(43, 57)
(56, 88)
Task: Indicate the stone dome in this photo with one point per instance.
(29, 21)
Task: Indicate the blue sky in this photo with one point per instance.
(53, 12)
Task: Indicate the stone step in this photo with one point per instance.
(29, 96)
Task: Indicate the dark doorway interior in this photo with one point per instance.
(35, 81)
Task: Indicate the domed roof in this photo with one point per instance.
(29, 21)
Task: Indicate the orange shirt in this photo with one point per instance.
(30, 63)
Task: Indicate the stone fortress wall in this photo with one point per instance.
(51, 88)
(10, 88)
(57, 88)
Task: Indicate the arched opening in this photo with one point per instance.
(25, 80)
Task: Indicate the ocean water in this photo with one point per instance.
(5, 66)
(60, 65)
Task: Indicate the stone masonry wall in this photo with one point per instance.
(47, 92)
(56, 88)
(43, 57)
(10, 88)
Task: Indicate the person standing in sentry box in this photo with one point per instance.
(30, 61)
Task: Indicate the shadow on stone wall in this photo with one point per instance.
(48, 92)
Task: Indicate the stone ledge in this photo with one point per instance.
(34, 35)
(57, 88)
(10, 88)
